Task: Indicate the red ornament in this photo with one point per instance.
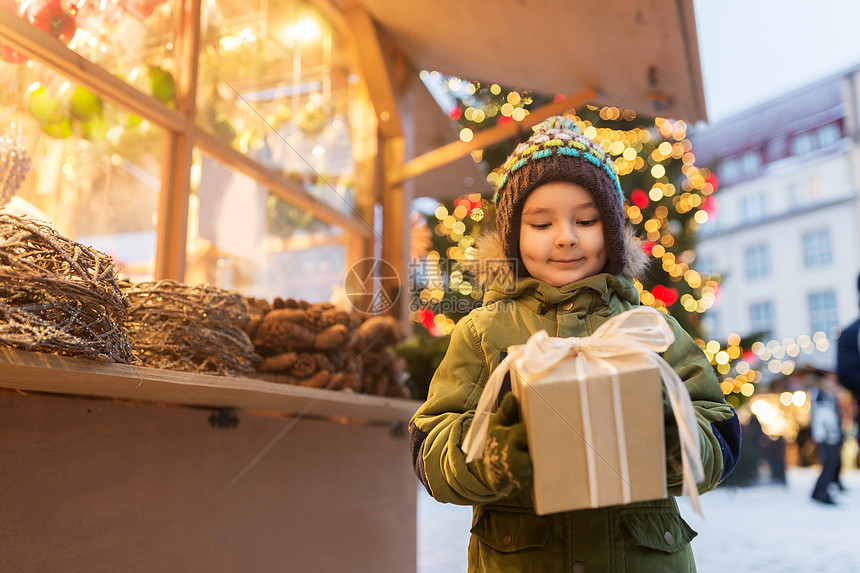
(648, 246)
(667, 296)
(670, 297)
(50, 16)
(7, 54)
(639, 198)
(709, 205)
(455, 114)
(142, 8)
(426, 317)
(712, 179)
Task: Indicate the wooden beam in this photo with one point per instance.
(395, 224)
(172, 226)
(187, 52)
(374, 70)
(42, 372)
(364, 136)
(455, 150)
(172, 230)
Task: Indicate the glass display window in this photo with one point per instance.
(274, 83)
(258, 97)
(243, 237)
(94, 168)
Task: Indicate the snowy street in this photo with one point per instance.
(762, 529)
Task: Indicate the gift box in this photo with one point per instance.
(593, 410)
(594, 440)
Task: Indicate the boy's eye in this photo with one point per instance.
(539, 225)
(588, 222)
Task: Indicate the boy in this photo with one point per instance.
(571, 264)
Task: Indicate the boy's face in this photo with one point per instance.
(561, 234)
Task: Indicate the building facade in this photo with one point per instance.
(785, 233)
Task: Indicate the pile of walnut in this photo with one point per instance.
(319, 346)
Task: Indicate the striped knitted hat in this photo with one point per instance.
(558, 151)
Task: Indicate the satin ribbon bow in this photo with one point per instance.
(641, 331)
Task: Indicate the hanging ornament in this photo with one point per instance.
(52, 17)
(7, 54)
(14, 164)
(142, 8)
(312, 119)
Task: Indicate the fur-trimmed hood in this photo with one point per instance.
(487, 262)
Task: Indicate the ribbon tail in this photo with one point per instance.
(473, 445)
(693, 471)
(689, 486)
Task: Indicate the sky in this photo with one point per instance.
(755, 50)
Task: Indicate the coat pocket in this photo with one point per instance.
(663, 531)
(510, 531)
(657, 541)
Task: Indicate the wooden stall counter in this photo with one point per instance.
(110, 467)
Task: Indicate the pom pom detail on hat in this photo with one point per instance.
(559, 151)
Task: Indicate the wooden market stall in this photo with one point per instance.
(265, 147)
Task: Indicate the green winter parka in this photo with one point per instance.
(507, 535)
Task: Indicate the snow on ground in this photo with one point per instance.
(763, 529)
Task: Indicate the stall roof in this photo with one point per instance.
(639, 55)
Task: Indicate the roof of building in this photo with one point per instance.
(794, 112)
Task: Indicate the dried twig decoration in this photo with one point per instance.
(59, 296)
(190, 328)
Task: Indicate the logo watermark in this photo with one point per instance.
(445, 286)
(372, 286)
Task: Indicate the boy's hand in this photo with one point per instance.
(506, 464)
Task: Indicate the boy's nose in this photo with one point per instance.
(566, 238)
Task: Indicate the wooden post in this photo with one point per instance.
(395, 227)
(172, 228)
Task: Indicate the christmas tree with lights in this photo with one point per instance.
(667, 198)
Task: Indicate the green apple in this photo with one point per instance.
(162, 84)
(44, 106)
(91, 130)
(61, 128)
(154, 80)
(84, 104)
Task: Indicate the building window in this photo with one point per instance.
(757, 261)
(822, 311)
(706, 265)
(818, 138)
(711, 323)
(802, 143)
(761, 316)
(740, 167)
(754, 208)
(828, 135)
(816, 248)
(793, 197)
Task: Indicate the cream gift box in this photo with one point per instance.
(591, 429)
(594, 441)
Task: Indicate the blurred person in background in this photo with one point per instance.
(848, 359)
(827, 433)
